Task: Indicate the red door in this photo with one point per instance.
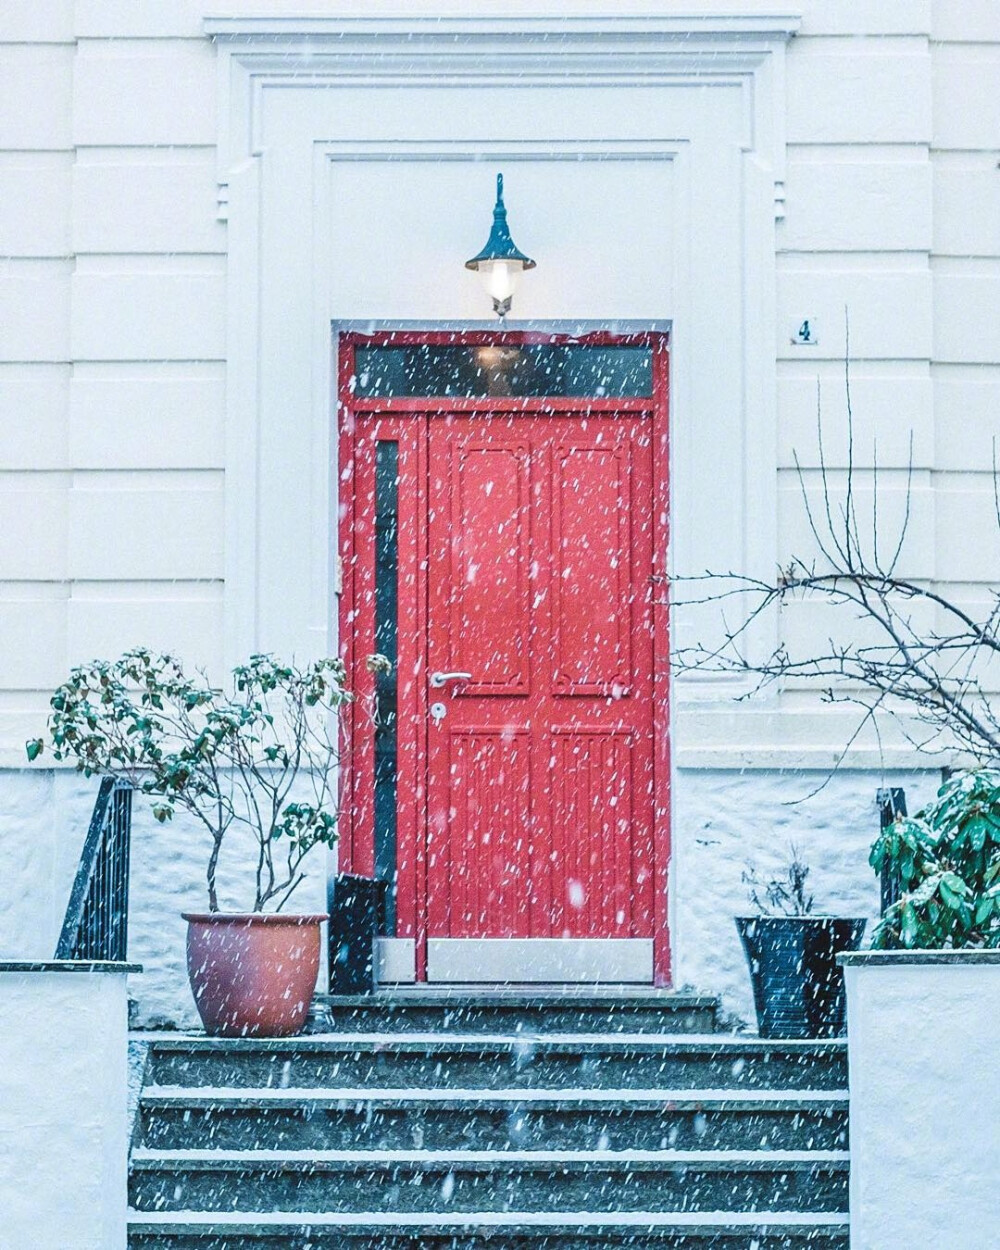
(528, 790)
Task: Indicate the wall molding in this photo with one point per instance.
(304, 68)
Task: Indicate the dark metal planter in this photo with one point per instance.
(798, 989)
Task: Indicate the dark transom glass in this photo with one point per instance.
(535, 370)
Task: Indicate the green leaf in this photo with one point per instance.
(909, 926)
(34, 748)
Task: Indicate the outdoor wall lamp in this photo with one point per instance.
(500, 264)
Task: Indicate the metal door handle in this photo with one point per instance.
(437, 680)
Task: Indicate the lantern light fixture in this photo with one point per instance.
(500, 263)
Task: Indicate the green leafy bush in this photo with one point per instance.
(947, 862)
(261, 757)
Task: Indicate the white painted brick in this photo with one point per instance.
(865, 17)
(34, 310)
(28, 21)
(887, 410)
(967, 206)
(967, 21)
(840, 205)
(32, 642)
(141, 533)
(795, 538)
(968, 536)
(967, 96)
(35, 100)
(858, 98)
(34, 401)
(148, 316)
(33, 512)
(890, 311)
(147, 202)
(169, 88)
(809, 625)
(187, 622)
(966, 416)
(34, 205)
(966, 312)
(159, 419)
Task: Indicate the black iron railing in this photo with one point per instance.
(96, 923)
(891, 805)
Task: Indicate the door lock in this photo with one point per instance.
(438, 712)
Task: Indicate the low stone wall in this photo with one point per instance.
(63, 1125)
(925, 1098)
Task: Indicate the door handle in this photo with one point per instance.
(437, 680)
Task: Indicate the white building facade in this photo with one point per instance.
(200, 202)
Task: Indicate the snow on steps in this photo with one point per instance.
(461, 1135)
(551, 1060)
(638, 1230)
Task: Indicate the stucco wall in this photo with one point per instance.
(723, 821)
(43, 820)
(63, 1045)
(925, 1101)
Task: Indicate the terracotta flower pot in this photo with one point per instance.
(252, 975)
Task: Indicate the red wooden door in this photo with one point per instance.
(531, 770)
(540, 770)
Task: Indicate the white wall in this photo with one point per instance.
(125, 515)
(112, 360)
(925, 1099)
(63, 1045)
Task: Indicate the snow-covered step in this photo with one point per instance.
(582, 1230)
(551, 1060)
(452, 1182)
(519, 1010)
(180, 1117)
(447, 1120)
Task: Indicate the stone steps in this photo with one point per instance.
(433, 1120)
(552, 1061)
(587, 1119)
(459, 1182)
(639, 1230)
(512, 1012)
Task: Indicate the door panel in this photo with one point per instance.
(590, 548)
(483, 587)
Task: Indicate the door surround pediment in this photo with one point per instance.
(698, 96)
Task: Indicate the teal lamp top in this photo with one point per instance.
(500, 246)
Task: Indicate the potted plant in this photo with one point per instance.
(258, 763)
(798, 987)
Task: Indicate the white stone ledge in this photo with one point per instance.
(889, 959)
(68, 965)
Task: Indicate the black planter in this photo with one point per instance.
(798, 989)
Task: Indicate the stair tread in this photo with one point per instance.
(198, 1095)
(388, 1041)
(145, 1157)
(248, 1221)
(518, 995)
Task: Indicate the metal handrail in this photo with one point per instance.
(96, 921)
(891, 805)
